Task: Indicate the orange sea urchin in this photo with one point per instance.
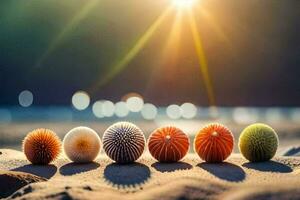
(214, 143)
(168, 144)
(41, 146)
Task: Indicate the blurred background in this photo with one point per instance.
(65, 63)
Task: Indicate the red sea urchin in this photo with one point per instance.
(123, 142)
(214, 143)
(41, 146)
(168, 144)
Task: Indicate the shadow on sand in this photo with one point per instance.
(170, 167)
(45, 171)
(76, 168)
(225, 171)
(268, 166)
(126, 175)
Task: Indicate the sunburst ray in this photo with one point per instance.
(74, 22)
(202, 59)
(133, 52)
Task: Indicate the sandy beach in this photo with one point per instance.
(147, 179)
(89, 84)
(191, 178)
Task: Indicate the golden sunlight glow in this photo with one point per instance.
(213, 23)
(183, 3)
(171, 50)
(202, 60)
(172, 45)
(133, 52)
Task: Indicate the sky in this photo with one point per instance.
(109, 48)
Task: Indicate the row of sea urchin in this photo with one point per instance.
(43, 146)
(214, 143)
(124, 142)
(257, 143)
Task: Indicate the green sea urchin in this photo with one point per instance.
(258, 142)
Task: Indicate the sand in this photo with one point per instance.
(147, 179)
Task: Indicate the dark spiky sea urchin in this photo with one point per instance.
(41, 146)
(168, 144)
(214, 143)
(123, 142)
(258, 142)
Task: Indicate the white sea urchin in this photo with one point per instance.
(82, 144)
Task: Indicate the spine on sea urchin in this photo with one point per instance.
(168, 144)
(41, 146)
(82, 144)
(123, 142)
(258, 142)
(214, 143)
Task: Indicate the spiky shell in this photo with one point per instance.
(258, 142)
(168, 144)
(123, 142)
(41, 146)
(214, 143)
(82, 144)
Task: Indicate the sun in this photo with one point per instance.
(183, 3)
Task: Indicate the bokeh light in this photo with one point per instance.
(213, 112)
(149, 111)
(173, 111)
(273, 115)
(108, 108)
(295, 115)
(130, 94)
(103, 108)
(97, 109)
(121, 109)
(188, 110)
(25, 98)
(81, 100)
(244, 116)
(135, 104)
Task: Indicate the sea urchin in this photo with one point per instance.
(214, 143)
(258, 142)
(82, 144)
(41, 146)
(123, 142)
(168, 144)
